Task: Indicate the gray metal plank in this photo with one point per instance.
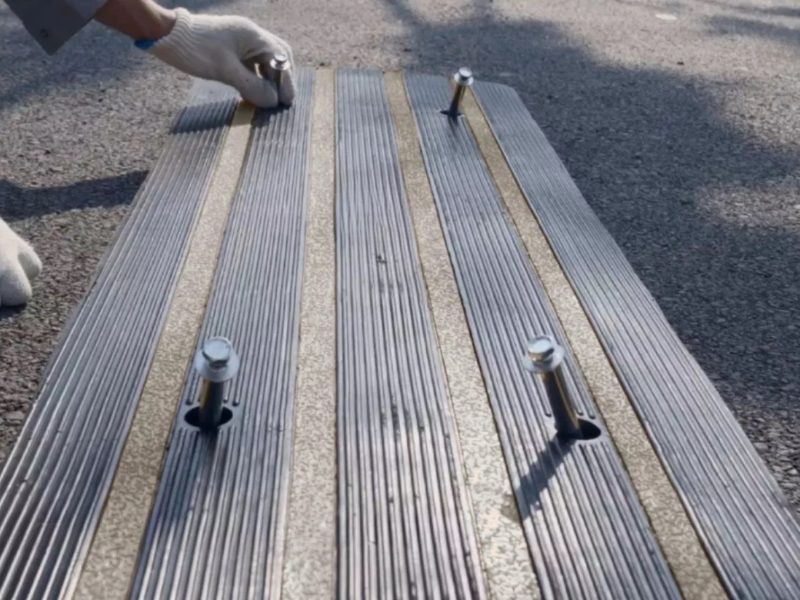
(55, 481)
(748, 527)
(404, 528)
(217, 526)
(587, 533)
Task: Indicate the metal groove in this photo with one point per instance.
(217, 526)
(747, 526)
(586, 532)
(404, 529)
(54, 483)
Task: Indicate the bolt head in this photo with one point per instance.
(216, 360)
(280, 62)
(217, 351)
(541, 349)
(543, 355)
(463, 77)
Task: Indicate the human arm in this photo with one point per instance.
(138, 19)
(230, 49)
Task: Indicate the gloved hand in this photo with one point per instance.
(18, 265)
(226, 49)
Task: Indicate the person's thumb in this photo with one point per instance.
(254, 89)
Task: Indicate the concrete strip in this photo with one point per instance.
(504, 553)
(310, 561)
(682, 548)
(110, 566)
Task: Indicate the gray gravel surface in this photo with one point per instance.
(678, 120)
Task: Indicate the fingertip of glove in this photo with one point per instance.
(30, 262)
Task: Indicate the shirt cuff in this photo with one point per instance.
(53, 22)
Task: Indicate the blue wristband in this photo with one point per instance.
(144, 44)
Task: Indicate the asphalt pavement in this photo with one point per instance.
(678, 120)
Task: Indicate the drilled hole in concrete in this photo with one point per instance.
(193, 417)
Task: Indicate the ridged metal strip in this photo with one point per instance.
(749, 529)
(404, 527)
(217, 525)
(56, 479)
(586, 531)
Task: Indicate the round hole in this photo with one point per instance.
(589, 431)
(193, 417)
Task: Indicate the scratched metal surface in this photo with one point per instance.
(54, 483)
(586, 531)
(217, 526)
(404, 527)
(750, 532)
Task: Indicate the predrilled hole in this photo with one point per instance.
(589, 431)
(193, 417)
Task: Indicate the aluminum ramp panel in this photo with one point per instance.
(54, 483)
(379, 266)
(750, 531)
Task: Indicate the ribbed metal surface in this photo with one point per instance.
(55, 481)
(585, 529)
(404, 529)
(749, 530)
(217, 526)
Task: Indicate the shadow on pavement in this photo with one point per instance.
(753, 9)
(6, 312)
(656, 158)
(17, 203)
(726, 25)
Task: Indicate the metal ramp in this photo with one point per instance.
(379, 266)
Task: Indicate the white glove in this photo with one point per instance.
(18, 265)
(227, 49)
